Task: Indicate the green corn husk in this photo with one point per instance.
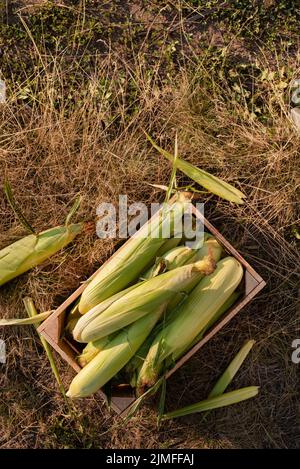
(26, 321)
(143, 299)
(232, 369)
(168, 245)
(34, 249)
(100, 308)
(192, 317)
(135, 364)
(182, 255)
(72, 319)
(92, 349)
(229, 398)
(227, 304)
(32, 313)
(210, 247)
(128, 263)
(172, 259)
(114, 356)
(203, 178)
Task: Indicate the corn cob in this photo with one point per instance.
(227, 304)
(178, 256)
(170, 260)
(210, 247)
(113, 357)
(169, 244)
(103, 306)
(92, 349)
(135, 364)
(128, 263)
(144, 298)
(34, 249)
(192, 317)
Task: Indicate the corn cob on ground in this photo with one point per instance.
(34, 249)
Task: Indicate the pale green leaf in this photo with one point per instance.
(212, 403)
(203, 178)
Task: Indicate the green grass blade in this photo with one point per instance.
(216, 402)
(212, 183)
(232, 369)
(11, 200)
(37, 319)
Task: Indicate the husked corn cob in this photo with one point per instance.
(114, 356)
(34, 249)
(192, 317)
(143, 299)
(128, 263)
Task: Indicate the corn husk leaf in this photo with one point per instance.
(32, 313)
(172, 183)
(140, 400)
(212, 183)
(232, 369)
(36, 319)
(229, 398)
(162, 400)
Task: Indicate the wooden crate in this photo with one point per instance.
(122, 397)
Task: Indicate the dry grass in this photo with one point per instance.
(53, 148)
